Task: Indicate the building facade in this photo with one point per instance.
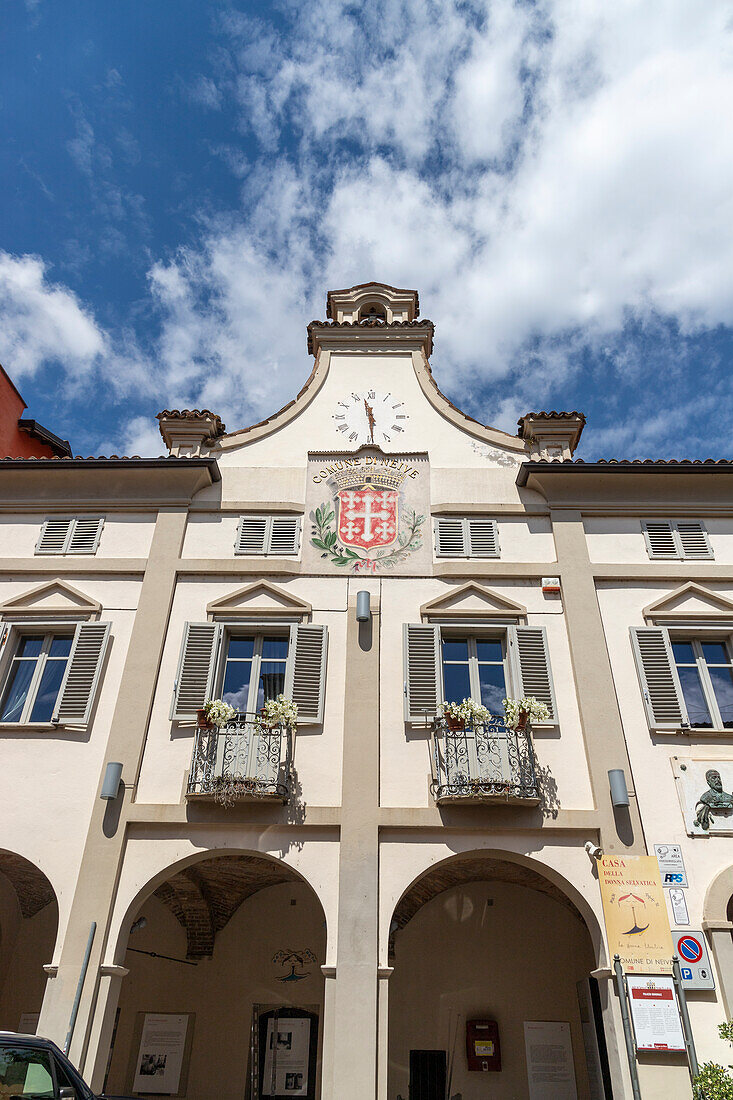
(334, 911)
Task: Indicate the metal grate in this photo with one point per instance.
(248, 759)
(484, 762)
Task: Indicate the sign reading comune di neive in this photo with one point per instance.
(367, 512)
(635, 913)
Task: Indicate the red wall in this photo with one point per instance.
(13, 442)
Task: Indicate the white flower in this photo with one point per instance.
(219, 712)
(280, 712)
(533, 708)
(467, 711)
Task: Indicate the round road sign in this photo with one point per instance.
(689, 948)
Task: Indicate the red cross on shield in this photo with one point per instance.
(368, 517)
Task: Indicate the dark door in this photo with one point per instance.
(427, 1074)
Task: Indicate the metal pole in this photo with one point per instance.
(628, 1035)
(689, 1041)
(80, 986)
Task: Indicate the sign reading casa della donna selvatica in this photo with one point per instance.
(368, 512)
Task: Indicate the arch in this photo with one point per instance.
(496, 864)
(717, 898)
(204, 899)
(32, 887)
(373, 310)
(29, 929)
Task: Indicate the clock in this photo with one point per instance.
(370, 417)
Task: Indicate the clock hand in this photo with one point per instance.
(371, 419)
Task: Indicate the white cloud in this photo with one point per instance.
(542, 173)
(43, 322)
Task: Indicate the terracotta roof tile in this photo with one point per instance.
(369, 323)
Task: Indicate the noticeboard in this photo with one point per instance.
(655, 1013)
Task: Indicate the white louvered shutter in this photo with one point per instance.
(694, 539)
(531, 663)
(84, 535)
(483, 538)
(660, 685)
(196, 666)
(81, 679)
(54, 536)
(251, 535)
(450, 539)
(660, 540)
(284, 535)
(423, 672)
(305, 676)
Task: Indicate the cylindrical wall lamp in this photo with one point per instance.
(363, 609)
(619, 790)
(112, 779)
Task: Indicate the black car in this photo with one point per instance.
(32, 1068)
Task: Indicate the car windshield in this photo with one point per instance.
(25, 1072)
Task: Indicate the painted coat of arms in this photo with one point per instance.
(365, 525)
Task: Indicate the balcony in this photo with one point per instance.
(241, 761)
(485, 762)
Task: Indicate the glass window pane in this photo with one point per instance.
(714, 653)
(272, 681)
(489, 649)
(456, 683)
(697, 708)
(60, 646)
(29, 647)
(493, 687)
(240, 648)
(16, 692)
(275, 648)
(683, 652)
(235, 688)
(48, 690)
(723, 688)
(25, 1072)
(455, 649)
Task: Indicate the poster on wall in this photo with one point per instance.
(287, 1052)
(549, 1051)
(655, 1013)
(635, 913)
(160, 1057)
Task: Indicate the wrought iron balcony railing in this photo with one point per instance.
(485, 762)
(241, 760)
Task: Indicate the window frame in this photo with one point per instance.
(66, 549)
(696, 636)
(472, 634)
(467, 551)
(47, 632)
(679, 554)
(269, 520)
(259, 631)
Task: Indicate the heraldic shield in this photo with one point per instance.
(368, 517)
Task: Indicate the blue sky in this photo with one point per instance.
(183, 180)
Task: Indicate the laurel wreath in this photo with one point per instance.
(325, 538)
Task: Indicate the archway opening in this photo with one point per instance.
(224, 995)
(29, 918)
(490, 958)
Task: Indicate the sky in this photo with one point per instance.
(184, 180)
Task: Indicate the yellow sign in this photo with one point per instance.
(635, 912)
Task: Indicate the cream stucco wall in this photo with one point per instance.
(124, 534)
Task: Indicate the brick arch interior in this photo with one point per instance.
(28, 930)
(204, 896)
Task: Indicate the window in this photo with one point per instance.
(677, 539)
(254, 670)
(36, 673)
(250, 665)
(706, 678)
(25, 1071)
(373, 312)
(52, 675)
(447, 662)
(268, 535)
(466, 538)
(79, 535)
(686, 677)
(475, 667)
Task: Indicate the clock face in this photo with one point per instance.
(370, 417)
